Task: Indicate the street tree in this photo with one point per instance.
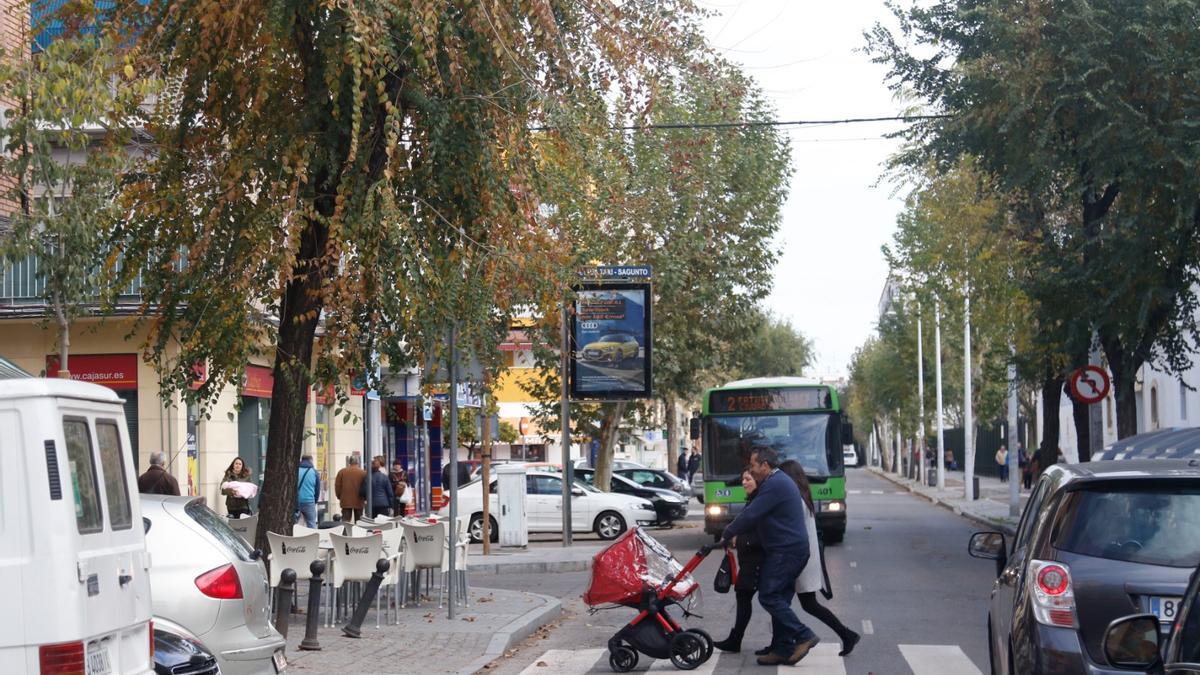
(72, 119)
(1087, 103)
(774, 348)
(334, 183)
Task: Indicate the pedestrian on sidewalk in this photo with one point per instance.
(813, 578)
(693, 465)
(157, 480)
(1028, 470)
(1002, 463)
(382, 495)
(235, 504)
(750, 556)
(308, 489)
(347, 486)
(777, 517)
(682, 465)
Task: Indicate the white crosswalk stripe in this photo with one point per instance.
(921, 659)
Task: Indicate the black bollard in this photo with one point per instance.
(310, 643)
(283, 600)
(354, 627)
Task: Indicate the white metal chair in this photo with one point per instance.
(298, 553)
(302, 531)
(246, 527)
(354, 559)
(394, 550)
(424, 545)
(461, 546)
(375, 524)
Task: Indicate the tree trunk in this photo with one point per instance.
(1124, 372)
(1083, 429)
(300, 308)
(1052, 388)
(608, 437)
(672, 434)
(64, 340)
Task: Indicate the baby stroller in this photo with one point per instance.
(637, 571)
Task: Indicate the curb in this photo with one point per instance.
(517, 630)
(1007, 529)
(530, 567)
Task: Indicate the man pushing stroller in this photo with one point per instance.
(777, 516)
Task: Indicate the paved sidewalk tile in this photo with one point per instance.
(425, 641)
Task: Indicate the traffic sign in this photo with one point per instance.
(1089, 384)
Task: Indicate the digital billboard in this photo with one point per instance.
(611, 341)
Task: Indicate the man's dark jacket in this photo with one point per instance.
(776, 515)
(156, 481)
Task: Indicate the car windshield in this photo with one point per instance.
(1155, 526)
(798, 437)
(612, 338)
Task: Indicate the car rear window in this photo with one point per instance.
(1157, 525)
(116, 490)
(82, 466)
(215, 525)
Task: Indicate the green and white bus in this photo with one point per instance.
(801, 419)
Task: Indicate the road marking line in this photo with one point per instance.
(858, 588)
(876, 492)
(853, 564)
(568, 661)
(868, 627)
(854, 492)
(937, 659)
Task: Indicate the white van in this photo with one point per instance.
(73, 563)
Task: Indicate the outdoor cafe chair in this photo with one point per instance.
(299, 530)
(354, 559)
(393, 550)
(246, 527)
(462, 543)
(294, 552)
(424, 545)
(375, 524)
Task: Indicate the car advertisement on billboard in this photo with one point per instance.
(611, 337)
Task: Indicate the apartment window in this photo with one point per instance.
(1108, 410)
(1154, 407)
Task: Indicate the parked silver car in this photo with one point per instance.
(206, 579)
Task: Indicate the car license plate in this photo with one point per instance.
(1165, 608)
(97, 659)
(280, 661)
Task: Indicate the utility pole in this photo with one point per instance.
(941, 437)
(453, 446)
(968, 417)
(485, 444)
(1014, 485)
(565, 412)
(922, 473)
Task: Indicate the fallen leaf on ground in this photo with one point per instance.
(542, 664)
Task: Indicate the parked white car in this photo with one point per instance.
(605, 513)
(75, 585)
(207, 580)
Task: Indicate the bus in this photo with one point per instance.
(801, 419)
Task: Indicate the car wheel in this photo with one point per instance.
(476, 529)
(609, 525)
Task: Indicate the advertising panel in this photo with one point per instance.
(611, 341)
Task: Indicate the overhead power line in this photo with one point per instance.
(762, 123)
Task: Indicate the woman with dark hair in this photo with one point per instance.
(750, 556)
(812, 578)
(235, 503)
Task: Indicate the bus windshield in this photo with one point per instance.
(798, 437)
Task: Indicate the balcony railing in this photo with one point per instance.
(22, 284)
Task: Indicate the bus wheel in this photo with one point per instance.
(835, 536)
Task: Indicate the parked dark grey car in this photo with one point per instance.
(1096, 542)
(1136, 641)
(657, 478)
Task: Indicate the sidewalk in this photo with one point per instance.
(538, 557)
(425, 641)
(991, 509)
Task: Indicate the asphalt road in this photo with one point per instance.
(902, 578)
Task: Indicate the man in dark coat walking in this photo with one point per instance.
(156, 480)
(776, 514)
(682, 465)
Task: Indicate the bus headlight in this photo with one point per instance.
(833, 505)
(716, 510)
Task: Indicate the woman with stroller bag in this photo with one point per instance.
(750, 556)
(812, 579)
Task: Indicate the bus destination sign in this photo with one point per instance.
(768, 400)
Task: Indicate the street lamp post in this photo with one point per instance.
(922, 471)
(968, 417)
(941, 439)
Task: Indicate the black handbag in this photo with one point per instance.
(726, 574)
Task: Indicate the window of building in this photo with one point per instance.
(1153, 406)
(1108, 413)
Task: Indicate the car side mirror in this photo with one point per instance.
(1132, 642)
(577, 492)
(989, 546)
(694, 428)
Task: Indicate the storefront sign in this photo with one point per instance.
(115, 371)
(258, 381)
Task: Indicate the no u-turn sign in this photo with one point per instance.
(1089, 384)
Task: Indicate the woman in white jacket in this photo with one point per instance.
(812, 579)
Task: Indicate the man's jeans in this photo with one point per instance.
(309, 511)
(776, 586)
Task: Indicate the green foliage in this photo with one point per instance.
(773, 348)
(72, 119)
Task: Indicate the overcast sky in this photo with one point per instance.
(804, 56)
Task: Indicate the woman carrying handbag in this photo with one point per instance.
(750, 556)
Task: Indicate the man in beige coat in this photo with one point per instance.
(347, 485)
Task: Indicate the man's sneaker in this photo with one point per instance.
(802, 650)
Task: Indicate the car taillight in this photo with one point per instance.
(221, 583)
(1053, 596)
(61, 659)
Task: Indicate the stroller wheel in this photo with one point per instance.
(708, 641)
(622, 659)
(687, 650)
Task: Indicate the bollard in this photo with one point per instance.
(310, 643)
(283, 600)
(354, 627)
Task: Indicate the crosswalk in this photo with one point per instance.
(823, 659)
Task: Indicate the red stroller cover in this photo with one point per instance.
(632, 562)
